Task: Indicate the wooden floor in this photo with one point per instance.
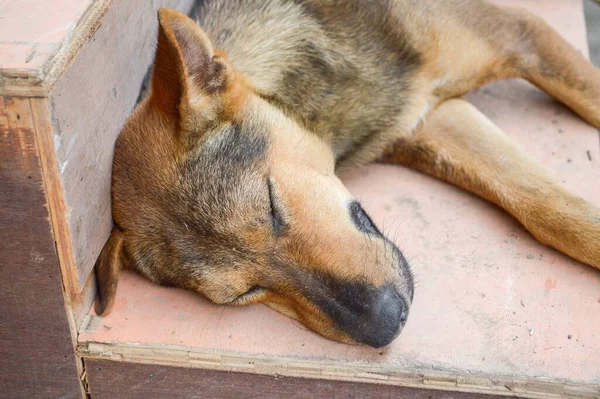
(494, 310)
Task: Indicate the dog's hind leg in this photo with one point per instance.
(546, 59)
(476, 42)
(457, 143)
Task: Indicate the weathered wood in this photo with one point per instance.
(37, 357)
(39, 47)
(77, 299)
(367, 369)
(76, 132)
(113, 380)
(87, 47)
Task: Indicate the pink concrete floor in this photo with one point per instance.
(490, 300)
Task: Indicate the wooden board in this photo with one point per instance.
(78, 131)
(40, 38)
(113, 380)
(89, 106)
(37, 357)
(494, 311)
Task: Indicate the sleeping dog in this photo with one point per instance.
(224, 177)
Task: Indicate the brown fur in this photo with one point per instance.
(224, 176)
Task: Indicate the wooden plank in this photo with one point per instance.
(78, 300)
(128, 380)
(39, 39)
(387, 372)
(37, 357)
(88, 107)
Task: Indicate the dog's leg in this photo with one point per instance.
(457, 143)
(480, 42)
(548, 61)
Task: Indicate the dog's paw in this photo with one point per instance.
(571, 226)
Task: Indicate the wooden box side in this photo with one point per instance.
(37, 357)
(109, 379)
(85, 113)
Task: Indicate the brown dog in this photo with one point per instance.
(224, 176)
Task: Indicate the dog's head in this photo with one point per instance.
(217, 191)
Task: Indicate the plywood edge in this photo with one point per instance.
(25, 113)
(52, 187)
(39, 82)
(78, 299)
(455, 381)
(43, 128)
(21, 82)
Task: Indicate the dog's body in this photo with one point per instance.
(360, 74)
(223, 178)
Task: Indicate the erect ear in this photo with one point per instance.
(110, 261)
(187, 74)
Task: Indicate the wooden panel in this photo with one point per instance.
(113, 380)
(78, 301)
(40, 38)
(36, 351)
(89, 106)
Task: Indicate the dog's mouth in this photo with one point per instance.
(348, 311)
(367, 301)
(375, 322)
(368, 316)
(255, 294)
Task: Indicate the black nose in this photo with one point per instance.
(386, 315)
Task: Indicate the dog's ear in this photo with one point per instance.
(187, 75)
(107, 267)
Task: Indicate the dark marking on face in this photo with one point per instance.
(361, 220)
(195, 222)
(240, 146)
(225, 158)
(279, 223)
(404, 266)
(370, 315)
(364, 223)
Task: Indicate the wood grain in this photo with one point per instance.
(113, 380)
(76, 133)
(51, 40)
(36, 349)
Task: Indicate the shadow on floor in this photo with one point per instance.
(592, 20)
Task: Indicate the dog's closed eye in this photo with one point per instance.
(277, 219)
(361, 220)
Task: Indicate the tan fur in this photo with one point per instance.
(224, 179)
(460, 145)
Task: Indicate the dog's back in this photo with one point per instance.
(357, 73)
(341, 69)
